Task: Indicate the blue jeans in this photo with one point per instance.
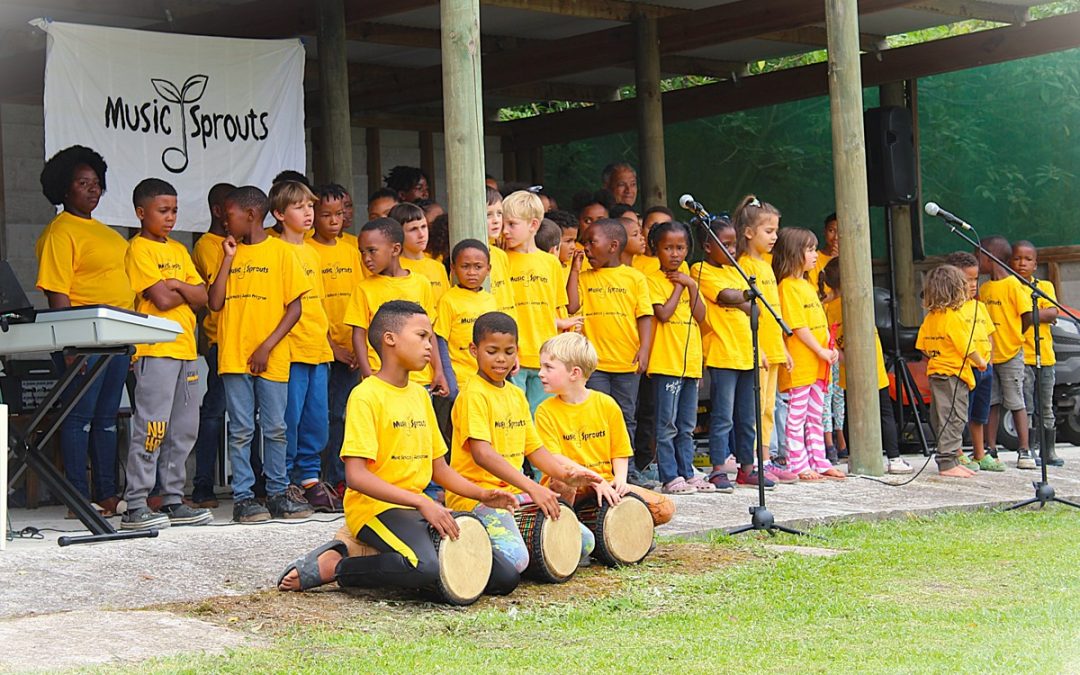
(244, 395)
(90, 427)
(623, 387)
(342, 381)
(307, 420)
(528, 380)
(778, 442)
(731, 416)
(211, 422)
(448, 369)
(979, 396)
(676, 416)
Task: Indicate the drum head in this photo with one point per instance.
(561, 543)
(628, 530)
(465, 564)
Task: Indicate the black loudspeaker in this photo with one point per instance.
(890, 156)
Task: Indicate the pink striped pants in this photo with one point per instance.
(804, 433)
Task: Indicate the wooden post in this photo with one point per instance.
(336, 144)
(894, 94)
(463, 115)
(853, 211)
(374, 159)
(652, 178)
(427, 159)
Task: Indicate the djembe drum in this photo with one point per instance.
(554, 545)
(464, 563)
(624, 532)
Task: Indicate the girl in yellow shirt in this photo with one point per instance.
(812, 354)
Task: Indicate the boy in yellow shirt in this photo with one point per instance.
(617, 315)
(460, 306)
(392, 450)
(1024, 262)
(500, 263)
(415, 226)
(1009, 306)
(380, 202)
(587, 426)
(165, 405)
(494, 433)
(535, 278)
(257, 289)
(206, 254)
(380, 250)
(340, 275)
(307, 410)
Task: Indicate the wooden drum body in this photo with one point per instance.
(624, 532)
(554, 545)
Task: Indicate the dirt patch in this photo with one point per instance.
(271, 612)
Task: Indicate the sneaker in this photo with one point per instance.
(143, 519)
(988, 463)
(249, 511)
(720, 481)
(897, 465)
(831, 454)
(289, 505)
(203, 500)
(843, 454)
(966, 462)
(182, 514)
(323, 499)
(779, 474)
(751, 478)
(1024, 459)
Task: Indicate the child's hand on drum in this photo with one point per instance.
(497, 499)
(605, 492)
(579, 476)
(440, 517)
(547, 500)
(620, 486)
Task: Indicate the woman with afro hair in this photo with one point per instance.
(409, 182)
(81, 262)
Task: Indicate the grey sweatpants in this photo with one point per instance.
(164, 425)
(948, 417)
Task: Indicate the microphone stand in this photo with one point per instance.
(760, 517)
(1044, 492)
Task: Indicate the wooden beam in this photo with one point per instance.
(610, 10)
(815, 36)
(921, 60)
(650, 115)
(374, 159)
(425, 38)
(677, 64)
(976, 9)
(334, 93)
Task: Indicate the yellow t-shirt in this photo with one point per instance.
(834, 314)
(646, 264)
(1046, 347)
(149, 262)
(727, 340)
(676, 347)
(801, 309)
(340, 276)
(943, 337)
(307, 339)
(980, 339)
(535, 279)
(498, 415)
(263, 279)
(612, 300)
(456, 313)
(770, 337)
(500, 281)
(1006, 299)
(373, 292)
(395, 429)
(83, 259)
(591, 433)
(207, 255)
(433, 270)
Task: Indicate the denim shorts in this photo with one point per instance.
(979, 397)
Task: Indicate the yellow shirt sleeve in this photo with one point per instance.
(56, 261)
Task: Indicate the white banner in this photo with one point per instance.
(191, 110)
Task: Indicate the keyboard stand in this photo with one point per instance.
(26, 444)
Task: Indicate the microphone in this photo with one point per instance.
(687, 202)
(933, 209)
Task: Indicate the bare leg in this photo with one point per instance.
(978, 447)
(1020, 419)
(992, 425)
(327, 571)
(841, 441)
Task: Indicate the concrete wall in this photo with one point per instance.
(26, 211)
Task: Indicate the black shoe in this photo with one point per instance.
(249, 511)
(144, 519)
(290, 505)
(182, 514)
(831, 454)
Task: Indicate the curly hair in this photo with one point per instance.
(59, 171)
(404, 178)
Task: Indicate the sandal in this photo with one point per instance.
(679, 486)
(700, 484)
(810, 475)
(307, 566)
(834, 474)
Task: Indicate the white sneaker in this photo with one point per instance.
(898, 465)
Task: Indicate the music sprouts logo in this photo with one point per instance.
(157, 117)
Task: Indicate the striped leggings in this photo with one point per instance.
(804, 433)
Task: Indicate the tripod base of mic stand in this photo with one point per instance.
(1044, 494)
(761, 519)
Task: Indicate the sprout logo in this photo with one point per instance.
(156, 117)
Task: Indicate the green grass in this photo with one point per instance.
(969, 592)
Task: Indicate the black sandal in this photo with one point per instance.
(307, 566)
